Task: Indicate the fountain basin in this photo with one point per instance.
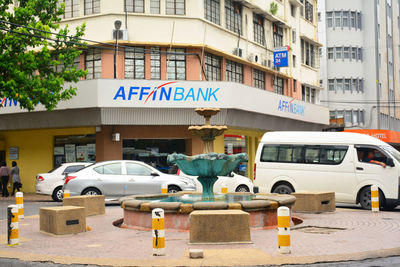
(261, 207)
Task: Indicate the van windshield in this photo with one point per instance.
(392, 151)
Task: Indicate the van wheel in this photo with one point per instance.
(365, 198)
(283, 189)
(57, 194)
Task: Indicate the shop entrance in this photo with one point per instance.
(235, 144)
(153, 151)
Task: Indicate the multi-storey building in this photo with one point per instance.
(171, 56)
(360, 65)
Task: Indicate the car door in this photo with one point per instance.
(109, 179)
(140, 179)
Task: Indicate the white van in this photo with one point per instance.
(345, 163)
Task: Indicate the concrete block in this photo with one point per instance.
(94, 205)
(62, 220)
(166, 206)
(219, 226)
(314, 202)
(196, 253)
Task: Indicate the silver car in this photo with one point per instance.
(123, 177)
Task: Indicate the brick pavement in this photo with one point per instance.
(351, 235)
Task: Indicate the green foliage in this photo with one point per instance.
(273, 8)
(35, 64)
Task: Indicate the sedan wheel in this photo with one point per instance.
(57, 194)
(91, 192)
(173, 189)
(242, 188)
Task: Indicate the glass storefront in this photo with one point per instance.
(235, 144)
(153, 151)
(74, 148)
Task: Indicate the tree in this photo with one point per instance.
(36, 54)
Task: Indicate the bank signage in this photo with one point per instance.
(291, 107)
(281, 56)
(170, 92)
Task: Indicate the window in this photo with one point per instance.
(346, 52)
(155, 63)
(324, 154)
(354, 85)
(294, 36)
(92, 7)
(347, 117)
(71, 8)
(233, 16)
(113, 168)
(293, 10)
(175, 7)
(338, 53)
(330, 53)
(213, 67)
(309, 11)
(277, 35)
(258, 26)
(176, 64)
(360, 57)
(359, 20)
(312, 96)
(302, 8)
(360, 85)
(331, 85)
(294, 61)
(134, 63)
(339, 84)
(75, 168)
(259, 79)
(73, 148)
(212, 11)
(234, 71)
(155, 6)
(347, 84)
(338, 18)
(354, 53)
(345, 20)
(93, 63)
(137, 169)
(353, 19)
(134, 6)
(278, 85)
(308, 51)
(329, 19)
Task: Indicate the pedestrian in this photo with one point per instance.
(15, 177)
(5, 177)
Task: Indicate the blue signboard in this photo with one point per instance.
(281, 58)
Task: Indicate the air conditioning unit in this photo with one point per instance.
(122, 34)
(251, 57)
(238, 52)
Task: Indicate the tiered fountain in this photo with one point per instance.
(207, 167)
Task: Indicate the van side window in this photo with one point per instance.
(328, 155)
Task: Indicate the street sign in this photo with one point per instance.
(281, 57)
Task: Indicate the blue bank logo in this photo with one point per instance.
(166, 92)
(290, 107)
(8, 102)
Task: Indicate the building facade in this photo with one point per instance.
(169, 57)
(360, 64)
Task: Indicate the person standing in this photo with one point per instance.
(5, 177)
(15, 177)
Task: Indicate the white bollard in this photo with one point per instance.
(164, 189)
(13, 234)
(19, 200)
(374, 198)
(284, 230)
(66, 193)
(224, 189)
(158, 232)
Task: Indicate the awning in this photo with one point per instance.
(387, 136)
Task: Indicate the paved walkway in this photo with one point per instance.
(341, 235)
(29, 197)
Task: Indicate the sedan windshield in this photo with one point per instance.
(392, 151)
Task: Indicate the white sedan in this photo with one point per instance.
(51, 183)
(234, 182)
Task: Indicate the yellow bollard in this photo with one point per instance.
(19, 200)
(224, 189)
(12, 218)
(158, 232)
(164, 189)
(374, 198)
(66, 193)
(284, 230)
